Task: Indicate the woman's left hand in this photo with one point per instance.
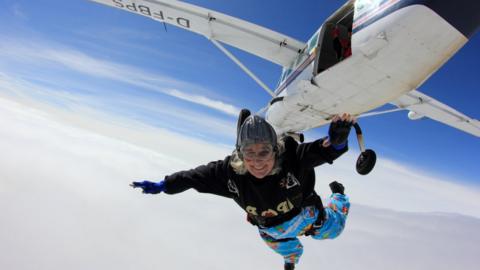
(340, 128)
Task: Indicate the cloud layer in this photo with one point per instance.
(53, 56)
(397, 186)
(66, 204)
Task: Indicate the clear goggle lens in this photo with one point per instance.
(263, 154)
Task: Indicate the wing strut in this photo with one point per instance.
(242, 66)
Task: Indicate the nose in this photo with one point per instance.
(464, 15)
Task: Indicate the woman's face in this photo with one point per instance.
(259, 159)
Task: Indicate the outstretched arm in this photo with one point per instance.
(208, 178)
(329, 148)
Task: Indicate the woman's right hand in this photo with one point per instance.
(150, 187)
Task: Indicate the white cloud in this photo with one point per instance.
(215, 104)
(66, 204)
(25, 89)
(397, 186)
(51, 55)
(171, 116)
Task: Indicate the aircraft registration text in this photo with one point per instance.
(148, 11)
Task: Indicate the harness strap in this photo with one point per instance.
(272, 221)
(316, 201)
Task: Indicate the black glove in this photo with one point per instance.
(336, 187)
(338, 131)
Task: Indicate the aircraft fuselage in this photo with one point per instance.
(395, 46)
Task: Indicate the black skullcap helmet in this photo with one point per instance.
(254, 130)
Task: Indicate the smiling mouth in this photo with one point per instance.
(259, 169)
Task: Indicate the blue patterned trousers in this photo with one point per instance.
(283, 238)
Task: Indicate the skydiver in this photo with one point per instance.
(273, 180)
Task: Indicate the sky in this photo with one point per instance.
(92, 98)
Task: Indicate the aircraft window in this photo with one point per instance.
(299, 60)
(313, 41)
(288, 72)
(290, 69)
(284, 75)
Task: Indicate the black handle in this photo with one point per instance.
(367, 159)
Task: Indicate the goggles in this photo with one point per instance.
(262, 154)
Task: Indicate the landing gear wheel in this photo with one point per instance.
(366, 161)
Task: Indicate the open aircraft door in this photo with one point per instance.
(335, 38)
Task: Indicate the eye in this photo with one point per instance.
(264, 154)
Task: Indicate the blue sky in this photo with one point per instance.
(83, 57)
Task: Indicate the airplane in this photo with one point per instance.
(367, 54)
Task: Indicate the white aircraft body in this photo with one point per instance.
(367, 54)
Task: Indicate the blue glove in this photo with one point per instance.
(150, 187)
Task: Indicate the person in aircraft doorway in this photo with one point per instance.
(273, 180)
(342, 45)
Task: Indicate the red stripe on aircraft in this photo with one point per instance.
(374, 12)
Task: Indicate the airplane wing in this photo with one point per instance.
(423, 105)
(265, 43)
